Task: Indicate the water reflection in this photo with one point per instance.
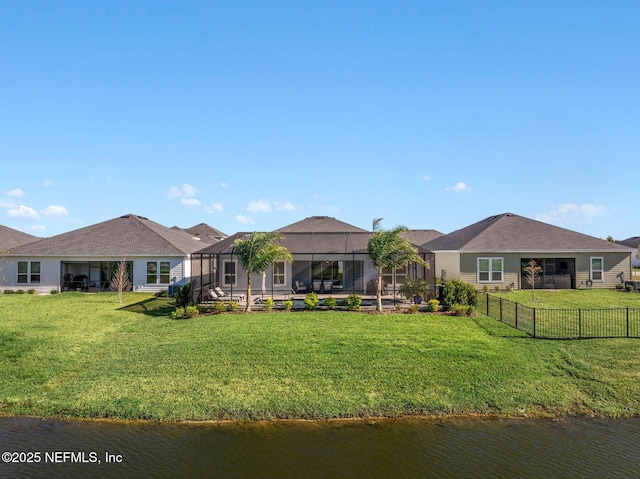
(408, 448)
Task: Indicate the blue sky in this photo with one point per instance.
(253, 115)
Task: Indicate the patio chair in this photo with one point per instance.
(224, 296)
(299, 287)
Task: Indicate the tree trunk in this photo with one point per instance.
(379, 291)
(248, 308)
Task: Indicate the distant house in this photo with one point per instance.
(203, 232)
(330, 257)
(10, 238)
(494, 250)
(84, 259)
(633, 243)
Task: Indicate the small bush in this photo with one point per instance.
(232, 305)
(54, 291)
(458, 292)
(398, 307)
(413, 309)
(330, 302)
(20, 291)
(619, 286)
(433, 305)
(496, 288)
(485, 289)
(9, 291)
(288, 305)
(220, 306)
(177, 313)
(311, 301)
(628, 288)
(31, 291)
(191, 311)
(352, 302)
(268, 304)
(183, 295)
(509, 288)
(463, 310)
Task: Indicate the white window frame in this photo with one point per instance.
(279, 282)
(593, 270)
(224, 272)
(158, 274)
(490, 271)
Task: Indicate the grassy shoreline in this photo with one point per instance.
(87, 357)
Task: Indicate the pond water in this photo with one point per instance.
(406, 448)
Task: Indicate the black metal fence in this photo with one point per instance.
(562, 323)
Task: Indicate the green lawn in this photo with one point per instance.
(77, 355)
(573, 298)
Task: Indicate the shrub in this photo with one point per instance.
(509, 288)
(54, 291)
(628, 288)
(458, 292)
(268, 304)
(398, 307)
(183, 295)
(496, 288)
(330, 302)
(288, 305)
(485, 289)
(220, 306)
(31, 291)
(20, 291)
(433, 305)
(462, 310)
(191, 311)
(311, 301)
(352, 302)
(413, 309)
(232, 305)
(619, 286)
(9, 291)
(177, 313)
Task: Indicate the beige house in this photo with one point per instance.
(494, 251)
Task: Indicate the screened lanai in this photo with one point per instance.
(335, 263)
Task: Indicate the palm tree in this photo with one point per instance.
(257, 252)
(388, 249)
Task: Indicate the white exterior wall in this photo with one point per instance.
(50, 272)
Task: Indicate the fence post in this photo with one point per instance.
(579, 322)
(627, 321)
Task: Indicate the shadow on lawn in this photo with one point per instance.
(152, 307)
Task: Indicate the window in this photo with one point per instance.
(152, 272)
(278, 273)
(597, 269)
(399, 274)
(165, 272)
(490, 270)
(23, 272)
(229, 273)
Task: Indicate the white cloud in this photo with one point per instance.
(460, 186)
(186, 191)
(260, 206)
(213, 208)
(284, 206)
(571, 213)
(6, 203)
(426, 178)
(47, 183)
(16, 193)
(190, 202)
(224, 185)
(55, 211)
(23, 212)
(245, 220)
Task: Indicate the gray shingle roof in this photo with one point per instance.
(10, 238)
(512, 233)
(320, 224)
(420, 237)
(206, 233)
(632, 242)
(308, 243)
(128, 235)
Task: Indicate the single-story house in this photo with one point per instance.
(84, 259)
(203, 232)
(329, 257)
(633, 243)
(494, 251)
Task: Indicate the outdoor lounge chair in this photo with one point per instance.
(299, 287)
(227, 297)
